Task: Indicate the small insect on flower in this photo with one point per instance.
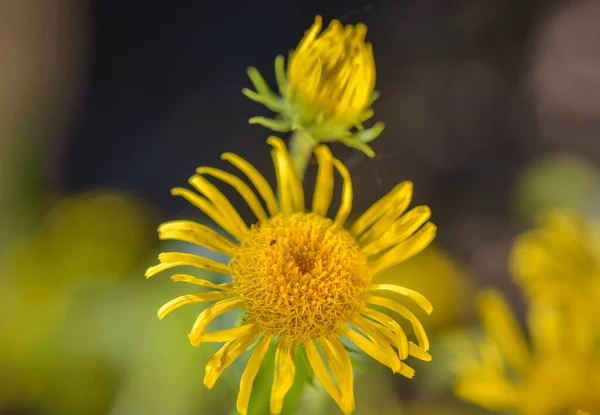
(303, 280)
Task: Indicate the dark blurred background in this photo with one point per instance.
(492, 110)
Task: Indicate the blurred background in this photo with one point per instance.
(492, 110)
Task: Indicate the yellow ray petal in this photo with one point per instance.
(227, 334)
(203, 283)
(193, 232)
(341, 367)
(417, 352)
(401, 342)
(322, 374)
(209, 209)
(220, 201)
(406, 249)
(324, 185)
(422, 339)
(417, 297)
(310, 35)
(404, 227)
(226, 356)
(376, 345)
(400, 196)
(258, 180)
(290, 186)
(176, 259)
(250, 372)
(191, 299)
(503, 327)
(346, 203)
(209, 315)
(285, 370)
(242, 188)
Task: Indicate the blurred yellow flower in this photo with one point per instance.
(559, 262)
(328, 88)
(303, 280)
(556, 372)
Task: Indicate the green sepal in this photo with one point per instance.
(279, 125)
(358, 145)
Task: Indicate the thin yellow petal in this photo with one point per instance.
(341, 367)
(375, 344)
(420, 334)
(346, 203)
(503, 328)
(417, 352)
(417, 297)
(406, 370)
(286, 170)
(324, 185)
(404, 227)
(227, 334)
(209, 209)
(494, 393)
(310, 35)
(400, 339)
(258, 180)
(220, 201)
(250, 372)
(322, 374)
(209, 315)
(203, 283)
(226, 356)
(242, 188)
(191, 299)
(176, 259)
(193, 232)
(406, 249)
(400, 196)
(285, 370)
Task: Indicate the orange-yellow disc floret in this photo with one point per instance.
(300, 275)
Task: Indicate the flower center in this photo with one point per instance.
(300, 276)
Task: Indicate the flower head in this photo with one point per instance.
(332, 74)
(328, 88)
(557, 372)
(301, 279)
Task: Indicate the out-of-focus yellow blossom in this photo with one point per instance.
(96, 234)
(556, 372)
(440, 278)
(303, 280)
(582, 413)
(328, 88)
(559, 262)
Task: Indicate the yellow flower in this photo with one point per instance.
(332, 74)
(556, 372)
(328, 88)
(558, 262)
(301, 279)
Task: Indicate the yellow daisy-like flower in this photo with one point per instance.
(555, 373)
(328, 88)
(302, 279)
(559, 262)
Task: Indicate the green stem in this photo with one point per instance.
(301, 148)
